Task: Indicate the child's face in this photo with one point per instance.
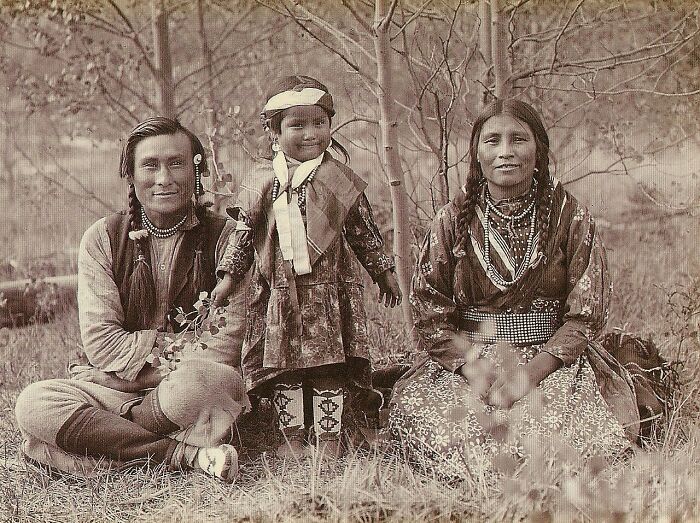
(305, 132)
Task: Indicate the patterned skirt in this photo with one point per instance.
(443, 426)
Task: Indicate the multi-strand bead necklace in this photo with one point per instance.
(529, 248)
(301, 191)
(157, 231)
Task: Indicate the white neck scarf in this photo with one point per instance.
(291, 230)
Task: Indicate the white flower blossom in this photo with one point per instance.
(585, 282)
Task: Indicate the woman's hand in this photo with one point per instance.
(222, 291)
(389, 291)
(508, 387)
(480, 374)
(515, 383)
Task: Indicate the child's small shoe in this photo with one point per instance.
(220, 462)
(327, 428)
(288, 400)
(292, 448)
(330, 448)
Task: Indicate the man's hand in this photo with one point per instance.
(148, 378)
(106, 379)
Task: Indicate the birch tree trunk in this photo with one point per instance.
(163, 58)
(390, 154)
(207, 92)
(485, 44)
(499, 50)
(211, 120)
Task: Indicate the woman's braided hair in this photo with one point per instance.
(475, 179)
(141, 295)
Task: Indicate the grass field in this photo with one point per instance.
(654, 258)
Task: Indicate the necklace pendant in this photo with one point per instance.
(510, 228)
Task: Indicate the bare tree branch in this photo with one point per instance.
(135, 38)
(354, 119)
(412, 18)
(561, 32)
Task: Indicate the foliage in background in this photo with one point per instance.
(619, 76)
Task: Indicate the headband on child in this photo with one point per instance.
(305, 96)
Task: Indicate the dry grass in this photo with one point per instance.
(649, 258)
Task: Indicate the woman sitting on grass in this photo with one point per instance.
(135, 268)
(510, 290)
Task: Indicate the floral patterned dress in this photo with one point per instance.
(435, 415)
(331, 297)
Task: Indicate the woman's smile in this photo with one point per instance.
(164, 194)
(507, 153)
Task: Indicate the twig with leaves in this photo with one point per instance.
(198, 326)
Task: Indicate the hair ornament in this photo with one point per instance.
(292, 97)
(198, 188)
(138, 235)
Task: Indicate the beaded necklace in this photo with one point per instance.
(490, 269)
(301, 192)
(158, 232)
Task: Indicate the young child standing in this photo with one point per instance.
(304, 215)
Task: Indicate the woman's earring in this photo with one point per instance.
(275, 145)
(198, 189)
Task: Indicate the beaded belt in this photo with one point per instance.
(520, 328)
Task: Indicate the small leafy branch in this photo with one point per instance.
(683, 303)
(198, 328)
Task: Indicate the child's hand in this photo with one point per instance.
(223, 289)
(389, 291)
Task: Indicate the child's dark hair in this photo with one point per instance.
(272, 120)
(141, 295)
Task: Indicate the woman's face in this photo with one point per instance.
(507, 152)
(305, 132)
(164, 177)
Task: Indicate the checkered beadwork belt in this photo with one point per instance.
(520, 328)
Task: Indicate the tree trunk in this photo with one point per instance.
(499, 50)
(7, 170)
(390, 156)
(211, 119)
(207, 92)
(485, 45)
(163, 58)
(24, 300)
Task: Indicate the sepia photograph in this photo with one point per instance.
(349, 260)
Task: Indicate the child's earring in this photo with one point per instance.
(198, 189)
(275, 144)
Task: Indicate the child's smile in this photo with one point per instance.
(305, 132)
